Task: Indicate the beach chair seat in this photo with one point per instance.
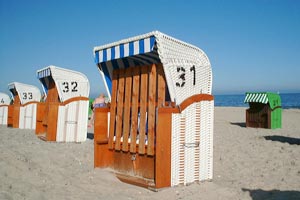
(158, 129)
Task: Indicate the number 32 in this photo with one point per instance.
(66, 88)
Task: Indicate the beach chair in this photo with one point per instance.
(264, 110)
(158, 130)
(4, 103)
(63, 115)
(22, 113)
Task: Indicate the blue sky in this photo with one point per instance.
(252, 45)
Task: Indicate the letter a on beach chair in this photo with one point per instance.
(22, 113)
(63, 115)
(4, 103)
(158, 130)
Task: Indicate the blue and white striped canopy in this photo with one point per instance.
(44, 76)
(126, 53)
(44, 73)
(123, 50)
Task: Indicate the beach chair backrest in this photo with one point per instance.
(4, 99)
(24, 93)
(136, 93)
(63, 84)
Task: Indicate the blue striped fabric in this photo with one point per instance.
(124, 50)
(134, 53)
(11, 86)
(44, 73)
(44, 76)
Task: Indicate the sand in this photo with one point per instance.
(249, 163)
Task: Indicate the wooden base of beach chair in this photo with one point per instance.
(13, 116)
(141, 182)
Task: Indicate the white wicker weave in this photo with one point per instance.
(4, 102)
(192, 144)
(176, 54)
(27, 94)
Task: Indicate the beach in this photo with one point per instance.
(249, 163)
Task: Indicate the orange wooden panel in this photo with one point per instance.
(74, 99)
(16, 116)
(151, 110)
(52, 95)
(126, 118)
(135, 180)
(39, 118)
(100, 124)
(135, 109)
(163, 149)
(143, 108)
(17, 100)
(120, 106)
(113, 107)
(52, 121)
(139, 165)
(10, 115)
(103, 157)
(195, 98)
(161, 86)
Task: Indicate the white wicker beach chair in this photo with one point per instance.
(166, 82)
(64, 114)
(4, 103)
(22, 114)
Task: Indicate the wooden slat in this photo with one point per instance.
(120, 101)
(113, 110)
(103, 157)
(17, 100)
(143, 108)
(52, 97)
(52, 93)
(151, 110)
(100, 125)
(40, 113)
(52, 121)
(16, 111)
(126, 119)
(161, 86)
(163, 148)
(16, 115)
(134, 109)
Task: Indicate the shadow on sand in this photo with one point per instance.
(283, 139)
(90, 136)
(241, 124)
(259, 194)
